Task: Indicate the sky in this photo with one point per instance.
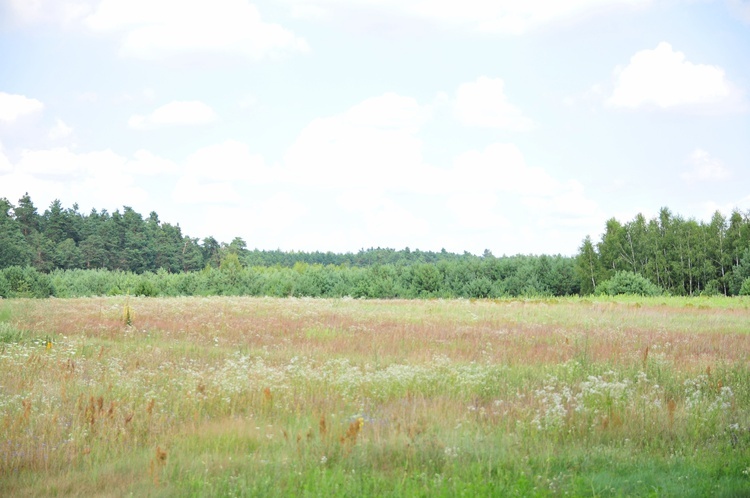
(340, 125)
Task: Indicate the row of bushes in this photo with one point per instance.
(388, 281)
(16, 281)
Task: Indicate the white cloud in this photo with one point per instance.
(190, 190)
(155, 29)
(5, 164)
(483, 103)
(210, 174)
(704, 168)
(500, 171)
(49, 11)
(147, 164)
(65, 164)
(741, 9)
(174, 114)
(98, 178)
(664, 78)
(228, 161)
(380, 220)
(13, 106)
(389, 220)
(277, 213)
(498, 16)
(477, 211)
(60, 130)
(273, 222)
(500, 167)
(372, 151)
(370, 145)
(568, 206)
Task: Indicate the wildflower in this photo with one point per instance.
(451, 452)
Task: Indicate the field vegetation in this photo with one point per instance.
(241, 396)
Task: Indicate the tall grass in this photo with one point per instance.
(249, 397)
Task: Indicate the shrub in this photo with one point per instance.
(26, 282)
(10, 334)
(145, 288)
(4, 285)
(745, 288)
(626, 282)
(478, 287)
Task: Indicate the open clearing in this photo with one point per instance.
(306, 397)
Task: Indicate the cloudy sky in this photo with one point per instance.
(518, 127)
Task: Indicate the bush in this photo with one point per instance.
(626, 282)
(478, 288)
(10, 334)
(745, 289)
(4, 285)
(145, 288)
(25, 282)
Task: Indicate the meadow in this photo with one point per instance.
(241, 396)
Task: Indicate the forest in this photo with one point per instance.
(680, 256)
(65, 253)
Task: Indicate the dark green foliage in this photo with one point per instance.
(67, 255)
(627, 282)
(14, 250)
(66, 239)
(4, 285)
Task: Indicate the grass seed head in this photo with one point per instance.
(353, 431)
(322, 426)
(671, 407)
(161, 455)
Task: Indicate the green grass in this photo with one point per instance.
(305, 397)
(10, 334)
(4, 313)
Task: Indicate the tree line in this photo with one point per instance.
(514, 276)
(66, 253)
(62, 238)
(680, 256)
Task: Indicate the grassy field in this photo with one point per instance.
(304, 397)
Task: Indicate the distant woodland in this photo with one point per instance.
(680, 256)
(63, 252)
